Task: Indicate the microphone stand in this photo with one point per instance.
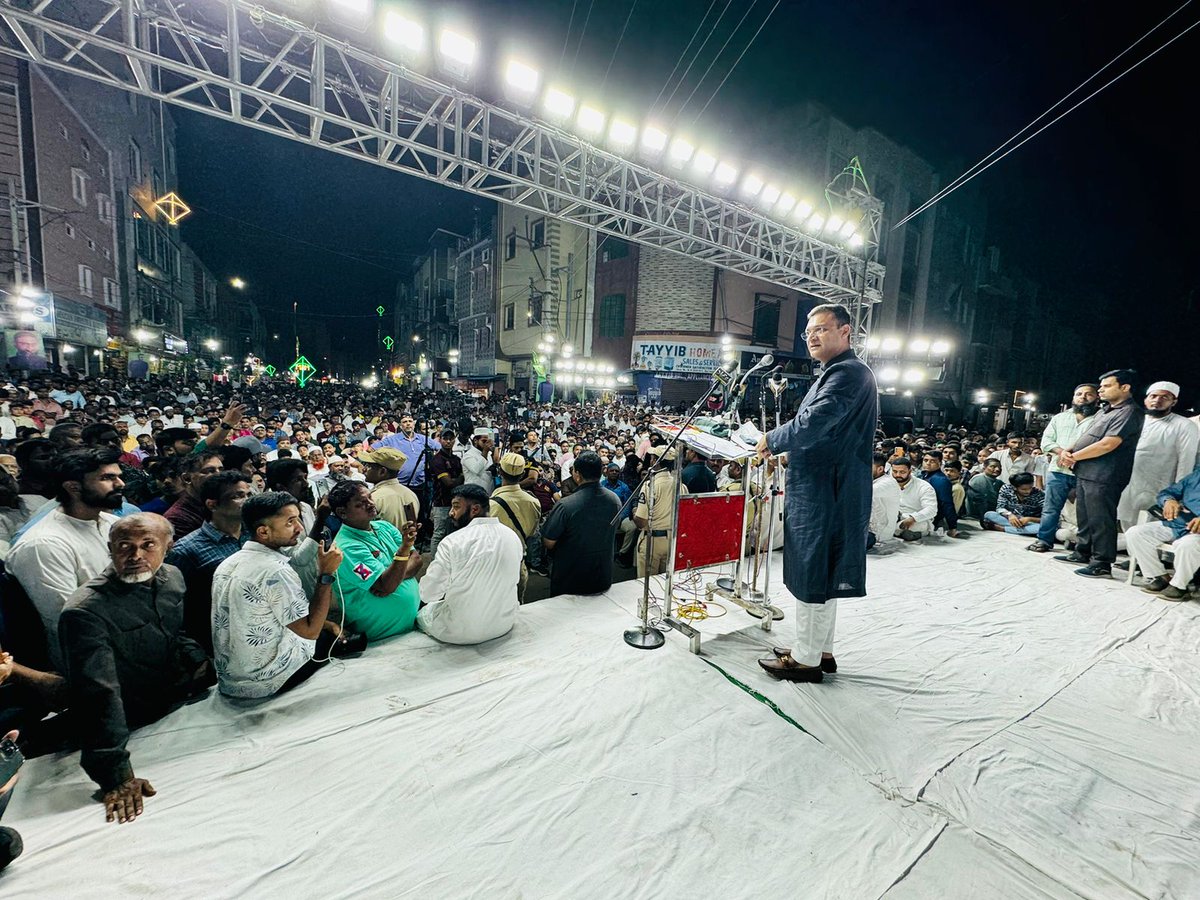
(644, 636)
(778, 386)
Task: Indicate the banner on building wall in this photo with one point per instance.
(28, 323)
(80, 323)
(682, 357)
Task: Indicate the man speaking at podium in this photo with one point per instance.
(827, 507)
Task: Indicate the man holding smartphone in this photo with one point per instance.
(267, 636)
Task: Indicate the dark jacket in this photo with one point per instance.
(827, 509)
(127, 663)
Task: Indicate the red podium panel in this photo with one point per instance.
(709, 529)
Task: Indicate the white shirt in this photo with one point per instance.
(76, 399)
(8, 428)
(475, 470)
(1166, 453)
(470, 589)
(1009, 466)
(256, 594)
(918, 499)
(885, 507)
(56, 557)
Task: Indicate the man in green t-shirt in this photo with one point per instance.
(377, 583)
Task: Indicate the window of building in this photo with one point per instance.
(104, 207)
(85, 280)
(79, 182)
(91, 244)
(85, 148)
(613, 248)
(112, 297)
(62, 129)
(535, 309)
(135, 158)
(156, 183)
(70, 229)
(107, 253)
(510, 247)
(538, 233)
(766, 319)
(612, 316)
(510, 314)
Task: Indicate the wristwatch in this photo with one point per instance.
(324, 579)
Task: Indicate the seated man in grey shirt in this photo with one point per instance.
(128, 661)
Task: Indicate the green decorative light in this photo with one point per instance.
(388, 342)
(302, 369)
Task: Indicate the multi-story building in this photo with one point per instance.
(932, 261)
(545, 288)
(60, 243)
(198, 302)
(141, 134)
(689, 314)
(475, 306)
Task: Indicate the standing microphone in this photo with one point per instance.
(761, 364)
(776, 382)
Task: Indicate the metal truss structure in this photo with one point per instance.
(241, 62)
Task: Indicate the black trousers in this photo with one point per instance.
(1096, 514)
(320, 657)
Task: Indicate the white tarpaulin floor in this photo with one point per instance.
(1000, 728)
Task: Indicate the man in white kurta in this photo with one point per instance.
(918, 502)
(1166, 452)
(885, 502)
(469, 593)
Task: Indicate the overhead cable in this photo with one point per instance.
(987, 162)
(682, 55)
(700, 49)
(735, 64)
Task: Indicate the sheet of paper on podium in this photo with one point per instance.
(737, 446)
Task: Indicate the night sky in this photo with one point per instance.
(1099, 205)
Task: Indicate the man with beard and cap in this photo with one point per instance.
(69, 546)
(1061, 432)
(482, 461)
(469, 592)
(128, 660)
(1166, 452)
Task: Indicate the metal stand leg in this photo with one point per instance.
(644, 637)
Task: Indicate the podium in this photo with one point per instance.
(706, 529)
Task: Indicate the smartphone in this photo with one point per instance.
(327, 538)
(11, 761)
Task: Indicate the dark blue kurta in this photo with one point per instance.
(827, 504)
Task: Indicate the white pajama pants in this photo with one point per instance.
(1143, 541)
(814, 631)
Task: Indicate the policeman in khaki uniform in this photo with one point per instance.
(657, 531)
(516, 508)
(395, 502)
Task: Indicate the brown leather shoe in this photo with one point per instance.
(787, 669)
(828, 666)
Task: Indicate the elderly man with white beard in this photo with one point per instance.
(128, 661)
(1166, 452)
